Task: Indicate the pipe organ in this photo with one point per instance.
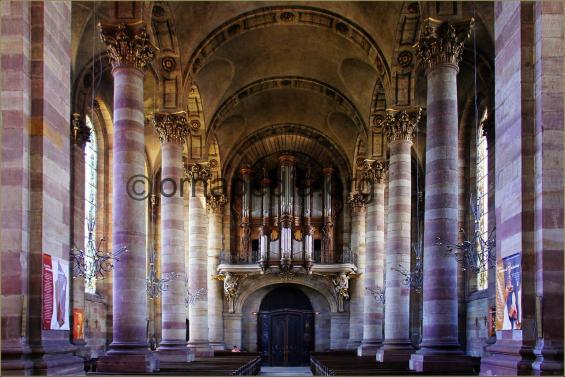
(286, 216)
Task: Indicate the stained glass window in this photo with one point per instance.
(90, 189)
(482, 199)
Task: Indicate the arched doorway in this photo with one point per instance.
(286, 327)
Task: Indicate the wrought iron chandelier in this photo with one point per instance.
(193, 296)
(476, 253)
(414, 279)
(378, 293)
(155, 285)
(93, 262)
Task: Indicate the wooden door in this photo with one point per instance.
(286, 337)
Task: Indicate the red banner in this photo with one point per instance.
(78, 324)
(47, 292)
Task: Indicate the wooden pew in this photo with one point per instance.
(236, 365)
(348, 364)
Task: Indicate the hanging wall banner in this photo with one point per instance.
(78, 324)
(56, 286)
(509, 293)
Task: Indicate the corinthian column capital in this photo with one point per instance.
(171, 127)
(216, 202)
(357, 201)
(401, 124)
(128, 45)
(374, 171)
(198, 172)
(442, 42)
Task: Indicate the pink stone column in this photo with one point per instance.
(549, 206)
(399, 127)
(49, 179)
(439, 49)
(198, 276)
(172, 129)
(373, 306)
(129, 350)
(356, 286)
(15, 175)
(215, 204)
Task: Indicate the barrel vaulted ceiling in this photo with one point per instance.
(328, 67)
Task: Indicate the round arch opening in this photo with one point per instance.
(285, 327)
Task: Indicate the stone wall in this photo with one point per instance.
(95, 331)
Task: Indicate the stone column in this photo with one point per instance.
(529, 187)
(172, 129)
(80, 135)
(399, 127)
(549, 203)
(130, 52)
(358, 212)
(439, 50)
(373, 304)
(46, 214)
(215, 206)
(199, 175)
(15, 199)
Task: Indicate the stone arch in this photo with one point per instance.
(318, 283)
(343, 103)
(255, 147)
(249, 302)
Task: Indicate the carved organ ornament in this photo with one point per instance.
(283, 222)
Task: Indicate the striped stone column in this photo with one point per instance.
(215, 204)
(130, 52)
(172, 129)
(373, 305)
(198, 277)
(358, 214)
(399, 127)
(439, 50)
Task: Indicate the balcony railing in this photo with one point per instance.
(345, 256)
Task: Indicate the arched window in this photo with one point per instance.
(90, 190)
(482, 198)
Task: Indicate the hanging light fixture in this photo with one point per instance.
(93, 262)
(378, 293)
(414, 278)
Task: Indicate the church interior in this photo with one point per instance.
(282, 187)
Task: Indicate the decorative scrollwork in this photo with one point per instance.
(378, 293)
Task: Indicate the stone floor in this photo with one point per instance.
(285, 371)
